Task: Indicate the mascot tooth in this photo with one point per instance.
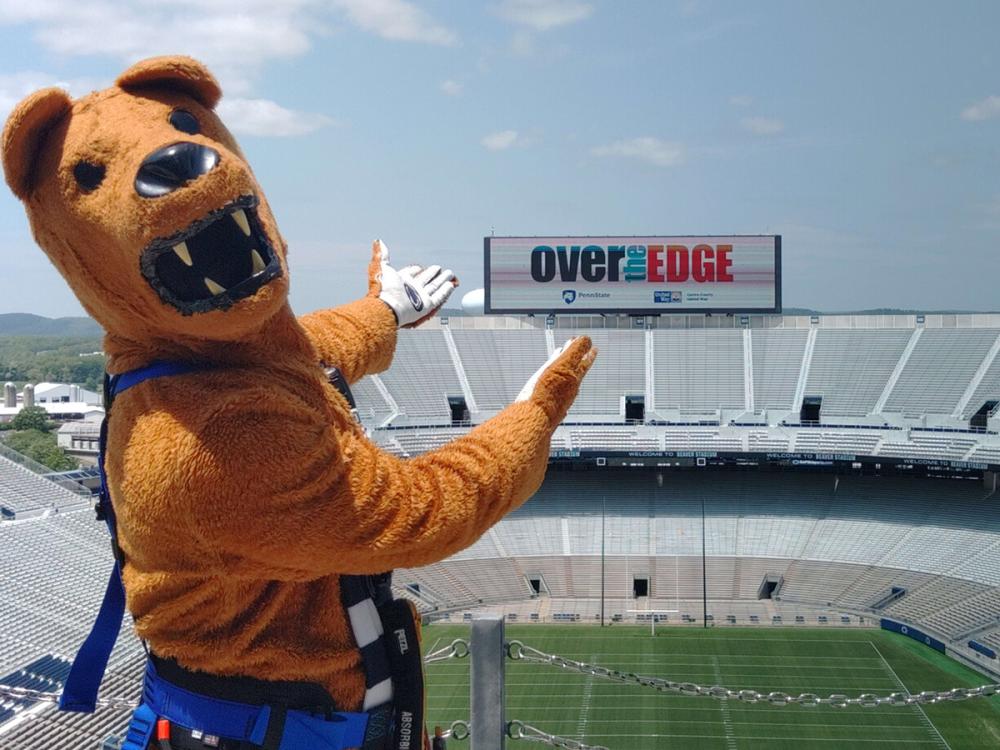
(254, 524)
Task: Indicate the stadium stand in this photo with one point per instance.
(24, 493)
(850, 368)
(698, 373)
(988, 387)
(716, 388)
(520, 351)
(833, 545)
(372, 407)
(620, 373)
(52, 578)
(938, 371)
(777, 356)
(422, 375)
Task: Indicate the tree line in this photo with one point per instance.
(54, 359)
(31, 434)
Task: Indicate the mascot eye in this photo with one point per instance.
(184, 121)
(88, 175)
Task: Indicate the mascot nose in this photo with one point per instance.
(170, 167)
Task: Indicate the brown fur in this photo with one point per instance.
(244, 492)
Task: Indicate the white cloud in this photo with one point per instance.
(985, 109)
(741, 101)
(691, 8)
(451, 88)
(396, 19)
(500, 140)
(522, 43)
(16, 86)
(222, 34)
(762, 125)
(235, 38)
(543, 15)
(262, 117)
(648, 149)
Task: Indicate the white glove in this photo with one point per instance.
(412, 293)
(529, 387)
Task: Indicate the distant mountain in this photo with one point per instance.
(26, 324)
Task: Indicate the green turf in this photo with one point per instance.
(822, 661)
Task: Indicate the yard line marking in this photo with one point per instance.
(738, 670)
(727, 722)
(756, 709)
(670, 637)
(881, 740)
(778, 686)
(796, 724)
(664, 657)
(925, 719)
(588, 691)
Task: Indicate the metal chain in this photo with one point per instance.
(517, 651)
(518, 730)
(457, 649)
(459, 730)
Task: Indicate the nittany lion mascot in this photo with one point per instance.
(253, 522)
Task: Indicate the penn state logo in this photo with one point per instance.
(418, 304)
(569, 296)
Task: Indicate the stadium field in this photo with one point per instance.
(791, 660)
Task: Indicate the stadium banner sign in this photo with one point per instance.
(983, 649)
(845, 463)
(633, 275)
(917, 635)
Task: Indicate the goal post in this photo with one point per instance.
(653, 616)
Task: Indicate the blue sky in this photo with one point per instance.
(867, 134)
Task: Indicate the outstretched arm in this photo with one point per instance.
(360, 337)
(333, 502)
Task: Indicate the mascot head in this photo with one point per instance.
(143, 200)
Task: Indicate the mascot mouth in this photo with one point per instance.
(215, 262)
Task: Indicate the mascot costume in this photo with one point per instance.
(253, 523)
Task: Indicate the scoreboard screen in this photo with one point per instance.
(633, 275)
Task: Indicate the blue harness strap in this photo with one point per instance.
(241, 721)
(84, 680)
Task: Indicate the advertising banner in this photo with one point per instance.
(633, 275)
(917, 635)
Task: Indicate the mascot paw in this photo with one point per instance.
(413, 293)
(557, 382)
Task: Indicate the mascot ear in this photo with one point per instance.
(24, 134)
(176, 73)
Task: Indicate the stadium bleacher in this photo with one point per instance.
(833, 543)
(721, 388)
(422, 376)
(939, 370)
(621, 372)
(23, 493)
(698, 373)
(777, 358)
(850, 368)
(521, 352)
